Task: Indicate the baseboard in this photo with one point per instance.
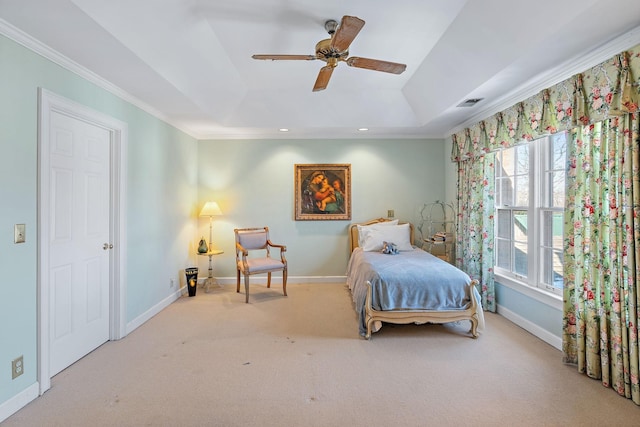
(18, 401)
(262, 279)
(139, 321)
(531, 327)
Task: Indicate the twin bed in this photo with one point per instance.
(410, 286)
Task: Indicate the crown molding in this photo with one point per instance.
(24, 39)
(565, 70)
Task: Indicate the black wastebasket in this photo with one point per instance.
(192, 280)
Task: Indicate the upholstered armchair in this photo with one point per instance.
(253, 257)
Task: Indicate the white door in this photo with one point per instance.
(79, 246)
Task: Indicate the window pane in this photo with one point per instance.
(558, 230)
(522, 190)
(547, 229)
(547, 266)
(552, 226)
(559, 152)
(557, 189)
(552, 268)
(520, 226)
(558, 275)
(504, 224)
(499, 168)
(520, 259)
(522, 154)
(507, 167)
(506, 191)
(503, 254)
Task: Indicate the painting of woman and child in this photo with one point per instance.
(322, 191)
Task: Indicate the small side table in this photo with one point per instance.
(211, 282)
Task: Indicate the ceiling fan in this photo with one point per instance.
(336, 48)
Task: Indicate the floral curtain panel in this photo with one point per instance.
(474, 251)
(602, 253)
(602, 233)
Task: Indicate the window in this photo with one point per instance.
(530, 184)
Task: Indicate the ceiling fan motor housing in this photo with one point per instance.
(324, 51)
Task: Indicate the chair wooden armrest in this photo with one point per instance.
(242, 249)
(273, 245)
(245, 254)
(282, 248)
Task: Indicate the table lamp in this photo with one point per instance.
(210, 209)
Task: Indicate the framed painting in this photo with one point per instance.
(322, 192)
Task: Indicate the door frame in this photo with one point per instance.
(49, 102)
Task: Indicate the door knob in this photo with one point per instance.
(107, 246)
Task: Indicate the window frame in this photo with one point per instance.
(540, 190)
(547, 169)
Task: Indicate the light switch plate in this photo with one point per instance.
(19, 233)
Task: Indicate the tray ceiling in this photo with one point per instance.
(189, 61)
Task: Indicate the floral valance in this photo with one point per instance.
(611, 88)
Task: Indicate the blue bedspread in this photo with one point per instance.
(410, 280)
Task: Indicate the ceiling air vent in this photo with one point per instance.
(470, 102)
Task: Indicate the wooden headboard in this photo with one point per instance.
(353, 231)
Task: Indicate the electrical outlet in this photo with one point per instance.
(390, 213)
(17, 367)
(172, 283)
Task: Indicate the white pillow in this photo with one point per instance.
(400, 235)
(363, 230)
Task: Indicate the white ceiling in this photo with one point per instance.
(189, 61)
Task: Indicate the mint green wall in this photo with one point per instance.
(544, 316)
(252, 181)
(451, 174)
(161, 201)
(18, 195)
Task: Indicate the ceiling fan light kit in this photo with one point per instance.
(331, 26)
(336, 49)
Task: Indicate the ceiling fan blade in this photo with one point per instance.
(376, 65)
(285, 57)
(323, 78)
(349, 28)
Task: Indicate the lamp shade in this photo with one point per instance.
(210, 209)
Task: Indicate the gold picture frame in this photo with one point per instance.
(322, 192)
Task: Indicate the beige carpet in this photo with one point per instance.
(213, 360)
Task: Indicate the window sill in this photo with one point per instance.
(548, 298)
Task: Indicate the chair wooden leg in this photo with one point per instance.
(268, 279)
(284, 281)
(238, 281)
(246, 288)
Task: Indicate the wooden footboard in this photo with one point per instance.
(423, 316)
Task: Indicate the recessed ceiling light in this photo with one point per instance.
(363, 129)
(284, 130)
